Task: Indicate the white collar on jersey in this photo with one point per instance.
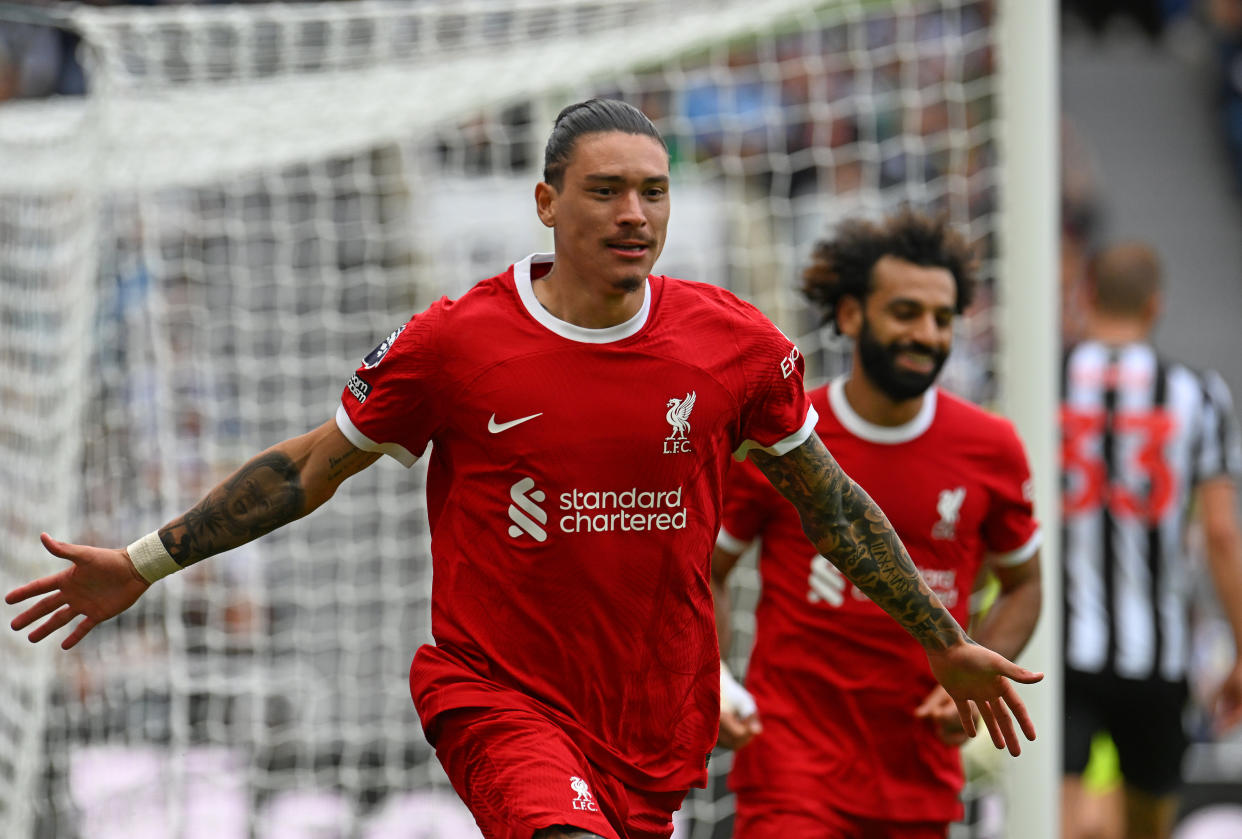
(521, 277)
(873, 433)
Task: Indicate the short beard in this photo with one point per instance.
(629, 285)
(879, 363)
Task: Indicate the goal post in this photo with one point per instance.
(194, 256)
(47, 282)
(1029, 318)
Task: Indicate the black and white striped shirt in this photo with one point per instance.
(1138, 434)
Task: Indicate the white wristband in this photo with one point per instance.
(734, 697)
(151, 559)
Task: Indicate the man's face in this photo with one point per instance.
(610, 216)
(904, 330)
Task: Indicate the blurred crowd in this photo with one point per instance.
(39, 61)
(1213, 28)
(1206, 31)
(1226, 19)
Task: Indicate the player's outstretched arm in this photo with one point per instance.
(848, 528)
(274, 488)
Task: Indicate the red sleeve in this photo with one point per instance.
(746, 505)
(1010, 529)
(391, 403)
(777, 416)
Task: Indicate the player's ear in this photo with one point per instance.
(1152, 309)
(849, 315)
(545, 203)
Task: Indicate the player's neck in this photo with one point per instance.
(875, 406)
(1116, 331)
(575, 300)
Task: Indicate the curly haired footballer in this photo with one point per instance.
(953, 480)
(842, 266)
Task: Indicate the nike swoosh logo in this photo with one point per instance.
(497, 427)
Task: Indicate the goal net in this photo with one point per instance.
(195, 255)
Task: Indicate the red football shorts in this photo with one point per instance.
(755, 820)
(518, 773)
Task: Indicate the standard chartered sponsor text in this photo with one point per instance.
(605, 511)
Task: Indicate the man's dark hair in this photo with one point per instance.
(842, 266)
(593, 116)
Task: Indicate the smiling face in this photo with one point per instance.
(610, 213)
(904, 329)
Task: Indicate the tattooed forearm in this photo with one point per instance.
(258, 498)
(847, 527)
(348, 462)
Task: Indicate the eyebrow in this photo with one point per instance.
(615, 179)
(910, 301)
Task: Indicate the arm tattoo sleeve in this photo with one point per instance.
(848, 528)
(259, 497)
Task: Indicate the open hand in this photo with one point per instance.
(976, 676)
(99, 584)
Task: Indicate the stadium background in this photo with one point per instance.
(195, 253)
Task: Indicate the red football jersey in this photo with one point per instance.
(835, 678)
(574, 496)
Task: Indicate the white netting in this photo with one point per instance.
(194, 257)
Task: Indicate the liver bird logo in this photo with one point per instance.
(949, 506)
(678, 416)
(584, 800)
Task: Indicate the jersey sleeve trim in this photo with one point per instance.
(394, 450)
(1009, 559)
(727, 541)
(785, 446)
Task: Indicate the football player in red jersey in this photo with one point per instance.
(583, 411)
(863, 742)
